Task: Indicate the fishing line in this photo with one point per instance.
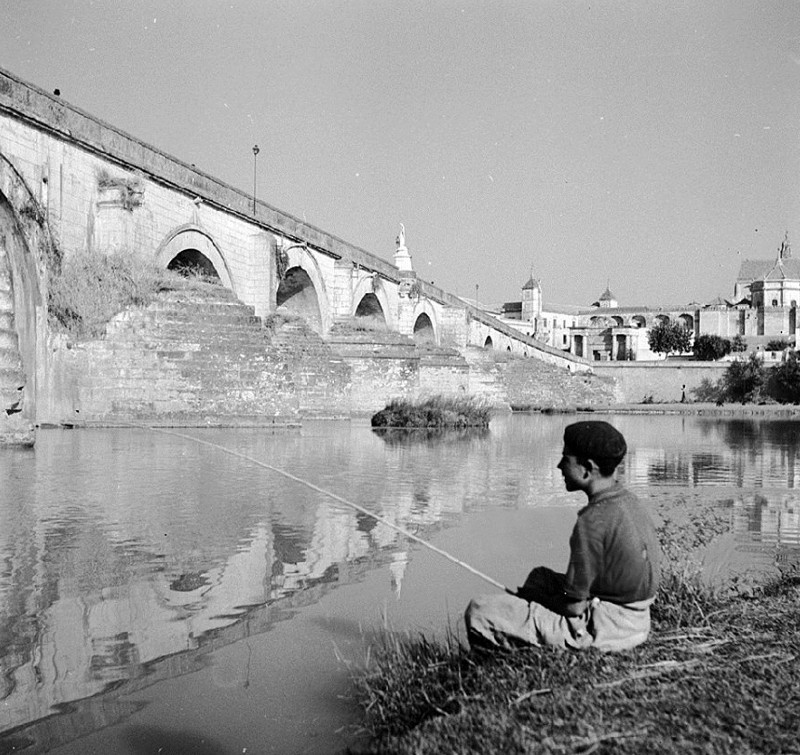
(301, 481)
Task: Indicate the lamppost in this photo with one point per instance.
(476, 294)
(256, 150)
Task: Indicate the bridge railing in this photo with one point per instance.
(438, 294)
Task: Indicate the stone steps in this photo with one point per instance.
(186, 356)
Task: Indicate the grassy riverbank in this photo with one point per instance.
(719, 674)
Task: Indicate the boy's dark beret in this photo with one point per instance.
(595, 440)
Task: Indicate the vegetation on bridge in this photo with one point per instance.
(86, 291)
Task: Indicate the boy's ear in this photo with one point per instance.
(591, 466)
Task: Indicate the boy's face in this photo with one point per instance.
(573, 471)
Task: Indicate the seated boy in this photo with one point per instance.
(604, 598)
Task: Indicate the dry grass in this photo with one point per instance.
(718, 675)
(90, 289)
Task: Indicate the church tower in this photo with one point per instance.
(532, 300)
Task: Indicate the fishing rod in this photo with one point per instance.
(301, 481)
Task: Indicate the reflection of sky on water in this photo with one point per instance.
(123, 552)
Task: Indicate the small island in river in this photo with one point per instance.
(434, 412)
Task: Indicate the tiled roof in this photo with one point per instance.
(607, 295)
(666, 308)
(717, 302)
(532, 283)
(776, 274)
(562, 309)
(751, 270)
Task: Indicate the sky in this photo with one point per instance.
(644, 146)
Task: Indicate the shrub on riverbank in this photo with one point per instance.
(717, 675)
(434, 411)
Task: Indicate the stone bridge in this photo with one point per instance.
(71, 184)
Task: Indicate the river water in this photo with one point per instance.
(159, 594)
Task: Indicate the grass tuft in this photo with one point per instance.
(435, 412)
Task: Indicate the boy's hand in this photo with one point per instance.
(525, 593)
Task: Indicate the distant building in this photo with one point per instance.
(763, 309)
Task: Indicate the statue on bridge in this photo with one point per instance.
(402, 259)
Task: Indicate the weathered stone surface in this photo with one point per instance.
(198, 359)
(16, 430)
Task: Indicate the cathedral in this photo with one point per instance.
(763, 309)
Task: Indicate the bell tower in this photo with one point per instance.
(532, 300)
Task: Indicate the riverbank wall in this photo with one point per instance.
(659, 382)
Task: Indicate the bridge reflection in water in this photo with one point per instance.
(131, 558)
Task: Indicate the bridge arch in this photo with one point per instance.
(425, 329)
(370, 300)
(190, 247)
(25, 244)
(369, 309)
(301, 288)
(296, 295)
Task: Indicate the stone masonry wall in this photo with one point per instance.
(193, 358)
(662, 381)
(530, 382)
(383, 366)
(506, 379)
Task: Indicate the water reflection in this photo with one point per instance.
(128, 558)
(402, 436)
(773, 519)
(123, 547)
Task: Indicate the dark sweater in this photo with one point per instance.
(614, 551)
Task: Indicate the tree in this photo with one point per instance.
(709, 348)
(667, 337)
(785, 380)
(744, 379)
(738, 345)
(709, 391)
(778, 344)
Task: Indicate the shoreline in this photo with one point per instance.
(700, 409)
(712, 410)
